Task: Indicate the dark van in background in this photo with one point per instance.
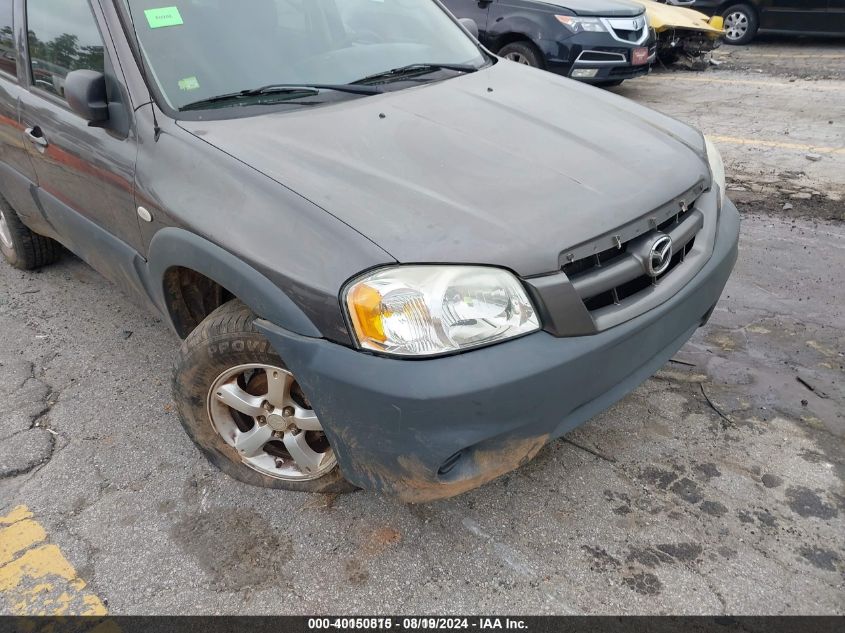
(744, 19)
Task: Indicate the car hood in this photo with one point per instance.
(603, 8)
(506, 166)
(666, 17)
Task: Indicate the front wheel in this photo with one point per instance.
(245, 410)
(521, 53)
(740, 24)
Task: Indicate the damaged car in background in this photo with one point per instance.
(602, 42)
(683, 34)
(395, 261)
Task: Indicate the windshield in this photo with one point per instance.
(199, 49)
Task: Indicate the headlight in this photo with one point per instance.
(717, 169)
(577, 25)
(428, 310)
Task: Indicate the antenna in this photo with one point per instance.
(146, 77)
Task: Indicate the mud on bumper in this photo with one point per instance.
(429, 429)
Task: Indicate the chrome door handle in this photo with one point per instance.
(35, 135)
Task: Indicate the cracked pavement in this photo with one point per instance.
(25, 443)
(718, 486)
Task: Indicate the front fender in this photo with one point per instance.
(527, 26)
(174, 247)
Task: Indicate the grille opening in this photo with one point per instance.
(620, 293)
(575, 268)
(673, 221)
(628, 36)
(600, 301)
(580, 266)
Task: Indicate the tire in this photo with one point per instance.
(226, 341)
(22, 248)
(741, 24)
(522, 53)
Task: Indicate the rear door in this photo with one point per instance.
(17, 174)
(85, 174)
(795, 15)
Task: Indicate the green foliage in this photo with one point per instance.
(64, 54)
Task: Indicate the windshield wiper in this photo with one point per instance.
(274, 88)
(413, 69)
(307, 90)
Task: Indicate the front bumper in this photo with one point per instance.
(610, 58)
(429, 429)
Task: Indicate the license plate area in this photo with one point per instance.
(639, 56)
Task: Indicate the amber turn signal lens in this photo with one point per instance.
(366, 311)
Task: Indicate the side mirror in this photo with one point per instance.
(85, 91)
(470, 25)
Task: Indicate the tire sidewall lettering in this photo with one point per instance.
(239, 346)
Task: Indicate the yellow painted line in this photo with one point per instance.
(35, 577)
(18, 514)
(18, 537)
(816, 85)
(816, 149)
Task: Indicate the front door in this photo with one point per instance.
(17, 174)
(85, 174)
(796, 15)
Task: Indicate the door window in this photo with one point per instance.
(8, 55)
(63, 36)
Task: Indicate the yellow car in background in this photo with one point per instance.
(683, 32)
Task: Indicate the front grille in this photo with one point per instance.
(628, 29)
(616, 276)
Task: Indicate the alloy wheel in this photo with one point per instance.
(260, 411)
(736, 25)
(5, 232)
(519, 58)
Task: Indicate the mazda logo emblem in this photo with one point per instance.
(659, 256)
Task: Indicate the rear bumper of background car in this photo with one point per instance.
(429, 429)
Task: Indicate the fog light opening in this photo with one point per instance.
(584, 73)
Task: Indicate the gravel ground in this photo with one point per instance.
(716, 487)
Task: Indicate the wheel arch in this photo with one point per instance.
(520, 27)
(513, 38)
(732, 3)
(191, 276)
(510, 38)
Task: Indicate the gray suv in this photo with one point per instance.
(397, 262)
